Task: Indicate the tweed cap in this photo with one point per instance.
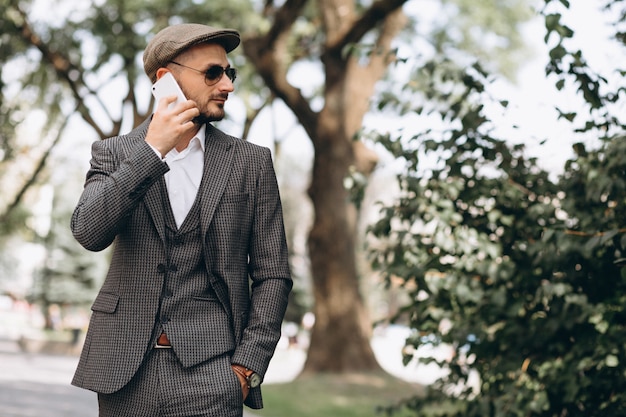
(173, 40)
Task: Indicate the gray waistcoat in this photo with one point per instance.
(190, 313)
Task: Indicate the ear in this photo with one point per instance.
(161, 72)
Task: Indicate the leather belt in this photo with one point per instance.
(163, 342)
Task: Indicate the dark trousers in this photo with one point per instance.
(163, 388)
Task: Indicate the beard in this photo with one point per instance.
(205, 118)
(213, 116)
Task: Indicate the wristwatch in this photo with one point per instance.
(252, 378)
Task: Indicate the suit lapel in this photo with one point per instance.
(218, 154)
(155, 199)
(156, 196)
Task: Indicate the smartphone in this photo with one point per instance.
(167, 86)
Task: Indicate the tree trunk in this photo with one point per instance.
(340, 339)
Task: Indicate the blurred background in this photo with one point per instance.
(453, 182)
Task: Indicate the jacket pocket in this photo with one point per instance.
(206, 297)
(233, 198)
(105, 303)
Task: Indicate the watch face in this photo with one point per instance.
(254, 380)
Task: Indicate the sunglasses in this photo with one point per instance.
(214, 73)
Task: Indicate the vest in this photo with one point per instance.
(190, 313)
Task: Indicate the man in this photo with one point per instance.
(190, 311)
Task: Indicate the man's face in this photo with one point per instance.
(209, 98)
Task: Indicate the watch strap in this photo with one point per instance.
(244, 372)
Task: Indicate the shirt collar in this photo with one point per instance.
(200, 136)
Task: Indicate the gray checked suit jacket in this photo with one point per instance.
(243, 242)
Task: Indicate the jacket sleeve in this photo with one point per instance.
(114, 186)
(269, 271)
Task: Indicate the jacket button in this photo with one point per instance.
(173, 268)
(161, 269)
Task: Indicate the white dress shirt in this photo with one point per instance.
(183, 178)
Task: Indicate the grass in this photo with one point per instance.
(325, 395)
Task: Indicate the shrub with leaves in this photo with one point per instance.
(519, 273)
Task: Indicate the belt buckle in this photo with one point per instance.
(157, 346)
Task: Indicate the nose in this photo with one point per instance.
(225, 84)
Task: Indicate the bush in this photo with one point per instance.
(520, 274)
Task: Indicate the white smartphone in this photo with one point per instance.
(167, 86)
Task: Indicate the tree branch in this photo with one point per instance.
(376, 14)
(283, 20)
(34, 176)
(268, 53)
(63, 67)
(252, 115)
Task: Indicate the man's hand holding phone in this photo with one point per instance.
(167, 86)
(172, 120)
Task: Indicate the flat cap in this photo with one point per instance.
(173, 40)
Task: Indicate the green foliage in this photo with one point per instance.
(519, 274)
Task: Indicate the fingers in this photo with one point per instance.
(245, 390)
(165, 107)
(171, 125)
(165, 102)
(244, 385)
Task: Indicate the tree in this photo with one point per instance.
(520, 274)
(342, 325)
(352, 44)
